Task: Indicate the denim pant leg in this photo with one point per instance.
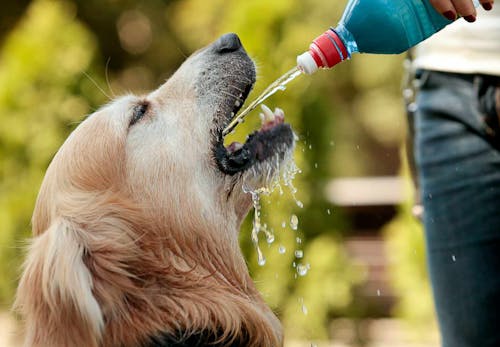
(458, 164)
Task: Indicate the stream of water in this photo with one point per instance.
(279, 84)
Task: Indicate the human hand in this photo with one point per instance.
(463, 8)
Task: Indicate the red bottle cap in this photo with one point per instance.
(325, 51)
(328, 49)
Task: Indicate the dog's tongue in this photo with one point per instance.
(234, 146)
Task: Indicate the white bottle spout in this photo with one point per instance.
(306, 63)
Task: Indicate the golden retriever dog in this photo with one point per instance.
(136, 222)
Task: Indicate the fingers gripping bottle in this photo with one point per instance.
(373, 26)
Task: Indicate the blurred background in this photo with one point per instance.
(353, 272)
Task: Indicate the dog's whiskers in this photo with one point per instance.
(239, 77)
(106, 73)
(228, 94)
(237, 88)
(97, 85)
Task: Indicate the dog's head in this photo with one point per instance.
(136, 221)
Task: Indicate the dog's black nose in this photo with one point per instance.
(228, 43)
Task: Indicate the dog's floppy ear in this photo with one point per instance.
(55, 290)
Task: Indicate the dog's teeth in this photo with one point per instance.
(280, 114)
(269, 115)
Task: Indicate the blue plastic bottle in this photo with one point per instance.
(373, 26)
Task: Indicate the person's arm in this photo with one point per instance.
(463, 8)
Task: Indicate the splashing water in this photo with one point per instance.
(294, 222)
(287, 182)
(255, 181)
(299, 254)
(261, 260)
(303, 307)
(258, 227)
(256, 185)
(279, 84)
(269, 235)
(302, 269)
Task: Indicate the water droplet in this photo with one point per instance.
(304, 310)
(310, 146)
(270, 238)
(315, 165)
(328, 211)
(294, 222)
(302, 269)
(283, 224)
(298, 240)
(378, 292)
(281, 190)
(453, 257)
(261, 261)
(282, 249)
(299, 253)
(300, 204)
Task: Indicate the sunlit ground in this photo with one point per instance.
(381, 333)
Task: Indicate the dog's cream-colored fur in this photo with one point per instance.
(135, 233)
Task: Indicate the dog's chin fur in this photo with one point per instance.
(136, 229)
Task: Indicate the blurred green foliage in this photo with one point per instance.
(406, 250)
(43, 95)
(60, 54)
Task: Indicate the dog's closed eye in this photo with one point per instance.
(138, 112)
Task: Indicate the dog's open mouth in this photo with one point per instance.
(270, 143)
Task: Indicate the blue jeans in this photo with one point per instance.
(456, 147)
